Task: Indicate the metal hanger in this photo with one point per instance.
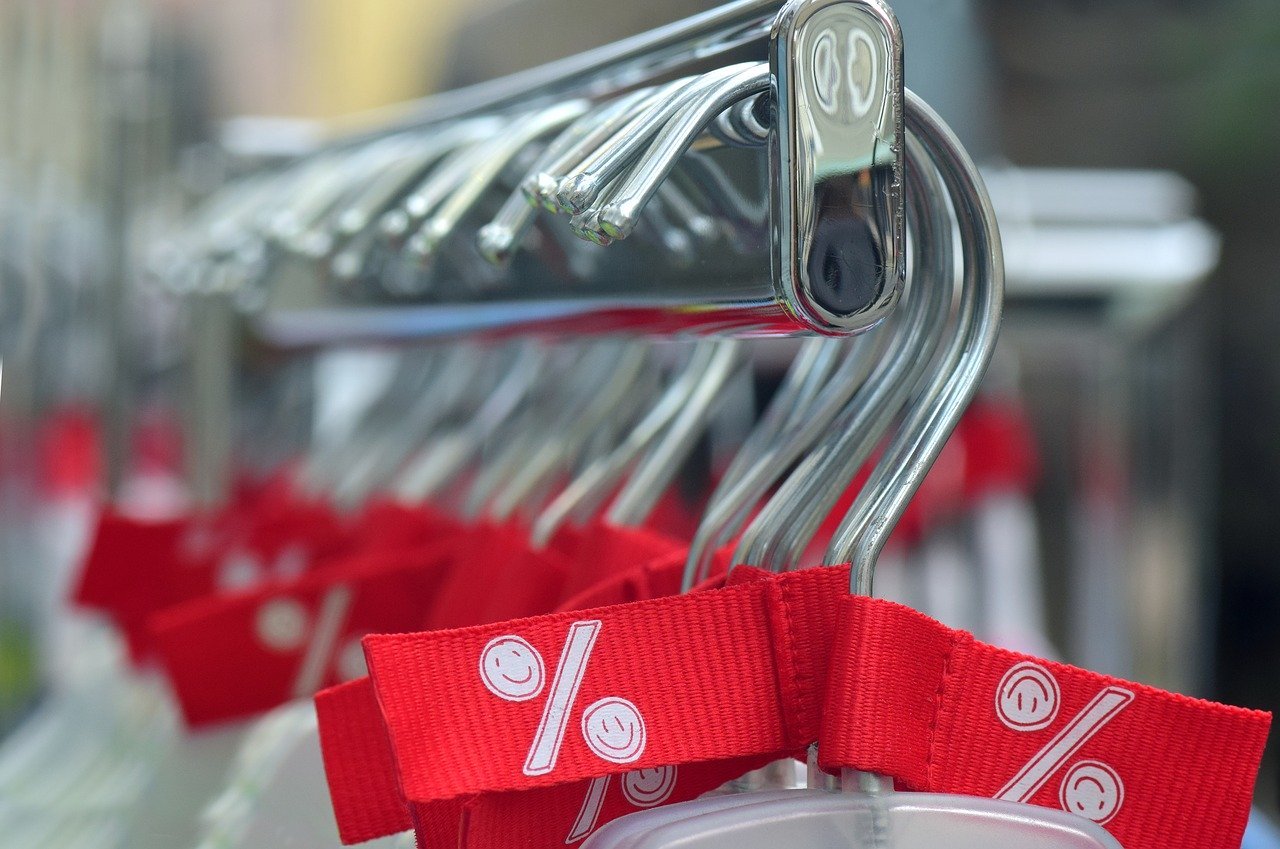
(780, 533)
(590, 488)
(571, 429)
(449, 452)
(870, 814)
(499, 152)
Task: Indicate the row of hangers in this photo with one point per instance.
(606, 165)
(638, 190)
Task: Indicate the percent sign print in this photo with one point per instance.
(612, 727)
(643, 788)
(283, 624)
(1027, 700)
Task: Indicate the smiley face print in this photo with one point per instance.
(614, 729)
(512, 669)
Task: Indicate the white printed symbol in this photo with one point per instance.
(646, 788)
(612, 727)
(614, 730)
(643, 788)
(240, 568)
(590, 811)
(1027, 698)
(282, 624)
(512, 669)
(1090, 788)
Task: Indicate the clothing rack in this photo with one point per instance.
(773, 222)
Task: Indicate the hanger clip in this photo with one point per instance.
(836, 161)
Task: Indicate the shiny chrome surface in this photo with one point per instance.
(836, 161)
(779, 535)
(676, 230)
(950, 386)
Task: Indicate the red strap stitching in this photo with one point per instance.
(938, 704)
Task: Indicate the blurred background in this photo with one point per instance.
(1130, 147)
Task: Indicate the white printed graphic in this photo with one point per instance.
(590, 811)
(1027, 694)
(647, 788)
(240, 569)
(643, 788)
(281, 624)
(564, 691)
(1092, 790)
(324, 637)
(612, 727)
(614, 730)
(1027, 698)
(512, 669)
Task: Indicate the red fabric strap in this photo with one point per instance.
(604, 551)
(508, 732)
(235, 655)
(940, 711)
(358, 764)
(570, 696)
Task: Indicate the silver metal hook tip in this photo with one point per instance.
(540, 190)
(494, 242)
(419, 249)
(314, 245)
(576, 193)
(618, 220)
(431, 236)
(352, 221)
(346, 266)
(394, 225)
(588, 235)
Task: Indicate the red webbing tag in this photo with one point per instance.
(357, 756)
(358, 764)
(238, 654)
(498, 575)
(999, 449)
(906, 696)
(390, 524)
(658, 578)
(136, 567)
(571, 696)
(605, 549)
(568, 813)
(941, 712)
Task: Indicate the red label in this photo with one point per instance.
(566, 706)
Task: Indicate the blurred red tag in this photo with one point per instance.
(236, 655)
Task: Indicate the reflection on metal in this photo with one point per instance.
(836, 161)
(707, 195)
